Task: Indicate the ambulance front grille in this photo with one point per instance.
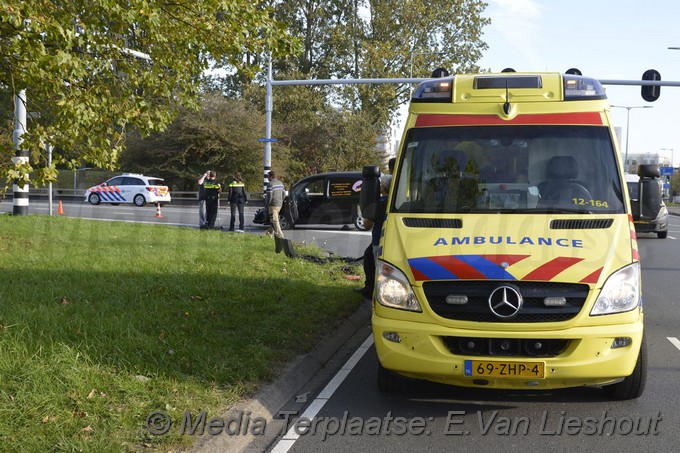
(533, 308)
(420, 222)
(581, 224)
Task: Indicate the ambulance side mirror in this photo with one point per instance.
(370, 190)
(649, 192)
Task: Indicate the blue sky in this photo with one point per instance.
(612, 39)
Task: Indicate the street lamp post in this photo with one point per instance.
(628, 107)
(410, 75)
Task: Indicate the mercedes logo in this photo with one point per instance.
(505, 302)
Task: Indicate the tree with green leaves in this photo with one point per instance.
(94, 70)
(381, 39)
(221, 136)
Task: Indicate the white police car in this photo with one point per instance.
(129, 188)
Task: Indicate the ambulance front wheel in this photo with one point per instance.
(94, 199)
(389, 381)
(634, 385)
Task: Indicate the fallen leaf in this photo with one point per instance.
(88, 429)
(92, 394)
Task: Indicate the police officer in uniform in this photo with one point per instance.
(212, 193)
(237, 200)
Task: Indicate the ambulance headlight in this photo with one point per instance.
(620, 293)
(393, 289)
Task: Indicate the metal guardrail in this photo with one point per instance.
(178, 197)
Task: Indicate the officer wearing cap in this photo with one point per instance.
(212, 194)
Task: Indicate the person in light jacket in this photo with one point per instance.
(275, 194)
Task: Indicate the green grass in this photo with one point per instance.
(103, 323)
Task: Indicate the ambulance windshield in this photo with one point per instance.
(521, 169)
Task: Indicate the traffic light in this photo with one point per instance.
(650, 93)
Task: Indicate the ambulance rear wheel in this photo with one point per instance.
(94, 199)
(389, 381)
(139, 200)
(634, 385)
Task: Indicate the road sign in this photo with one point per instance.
(268, 140)
(666, 171)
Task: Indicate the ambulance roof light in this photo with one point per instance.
(508, 81)
(438, 90)
(579, 88)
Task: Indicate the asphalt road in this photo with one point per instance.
(349, 413)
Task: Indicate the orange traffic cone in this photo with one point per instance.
(60, 209)
(158, 211)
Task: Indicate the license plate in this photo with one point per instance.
(484, 368)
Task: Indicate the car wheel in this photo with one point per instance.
(388, 381)
(662, 234)
(359, 223)
(94, 199)
(634, 385)
(284, 223)
(139, 200)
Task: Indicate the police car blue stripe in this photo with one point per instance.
(111, 196)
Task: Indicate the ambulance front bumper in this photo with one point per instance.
(592, 355)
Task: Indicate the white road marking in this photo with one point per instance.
(288, 440)
(674, 341)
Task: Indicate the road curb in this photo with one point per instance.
(302, 378)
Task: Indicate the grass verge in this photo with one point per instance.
(102, 324)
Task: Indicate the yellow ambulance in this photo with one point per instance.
(508, 257)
